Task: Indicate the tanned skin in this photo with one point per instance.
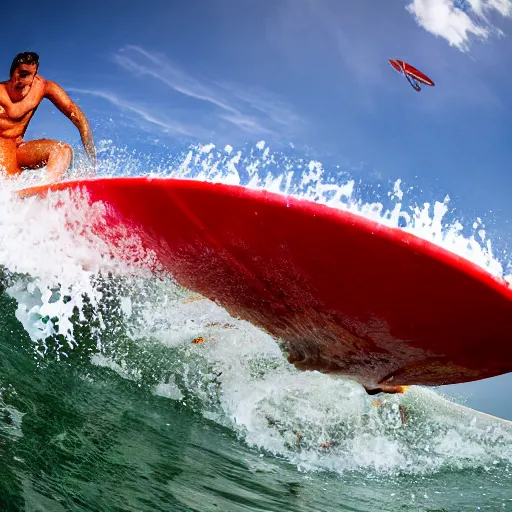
(19, 98)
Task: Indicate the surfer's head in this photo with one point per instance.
(23, 69)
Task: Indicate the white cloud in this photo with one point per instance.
(250, 111)
(261, 102)
(228, 112)
(158, 67)
(458, 21)
(150, 117)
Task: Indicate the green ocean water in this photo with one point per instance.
(160, 425)
(120, 391)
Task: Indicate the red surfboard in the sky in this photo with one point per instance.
(411, 72)
(346, 294)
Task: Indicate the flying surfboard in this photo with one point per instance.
(345, 294)
(413, 75)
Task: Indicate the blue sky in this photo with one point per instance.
(309, 72)
(314, 73)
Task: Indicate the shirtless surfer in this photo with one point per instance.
(19, 98)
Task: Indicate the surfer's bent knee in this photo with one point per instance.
(64, 152)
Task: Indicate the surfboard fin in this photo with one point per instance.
(386, 389)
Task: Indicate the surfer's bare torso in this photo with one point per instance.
(13, 128)
(20, 97)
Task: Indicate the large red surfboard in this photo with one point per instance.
(346, 294)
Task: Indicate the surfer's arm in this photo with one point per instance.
(18, 109)
(72, 111)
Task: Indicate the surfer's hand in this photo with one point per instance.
(31, 99)
(38, 85)
(35, 93)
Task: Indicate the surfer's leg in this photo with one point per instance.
(8, 161)
(55, 155)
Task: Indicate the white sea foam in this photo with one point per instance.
(238, 375)
(307, 179)
(54, 254)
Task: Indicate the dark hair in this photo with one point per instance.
(24, 58)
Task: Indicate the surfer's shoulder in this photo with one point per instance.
(53, 89)
(4, 96)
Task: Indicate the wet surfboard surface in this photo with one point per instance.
(346, 294)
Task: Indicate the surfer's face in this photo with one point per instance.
(23, 77)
